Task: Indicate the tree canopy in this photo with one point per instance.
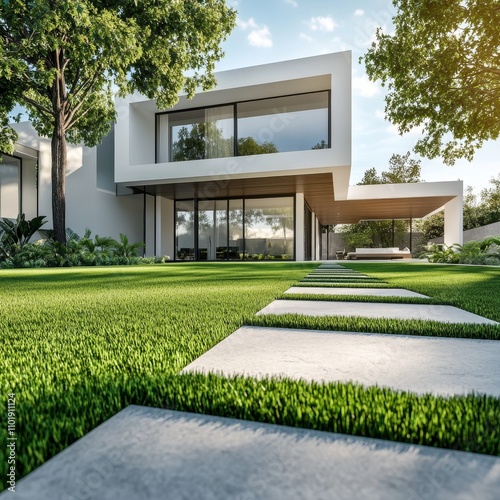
(442, 70)
(63, 60)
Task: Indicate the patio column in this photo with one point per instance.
(299, 227)
(453, 221)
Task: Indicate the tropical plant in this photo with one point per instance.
(20, 231)
(442, 254)
(123, 248)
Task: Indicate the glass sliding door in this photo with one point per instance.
(269, 228)
(10, 187)
(212, 229)
(253, 228)
(185, 230)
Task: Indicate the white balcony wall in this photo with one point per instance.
(136, 165)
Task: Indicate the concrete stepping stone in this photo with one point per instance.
(441, 366)
(378, 292)
(151, 453)
(445, 314)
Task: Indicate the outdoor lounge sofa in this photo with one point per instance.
(379, 253)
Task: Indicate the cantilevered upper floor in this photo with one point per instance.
(281, 119)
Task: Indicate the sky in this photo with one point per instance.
(278, 30)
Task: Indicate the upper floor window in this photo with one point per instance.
(291, 123)
(275, 125)
(10, 187)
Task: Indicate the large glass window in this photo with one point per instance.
(292, 123)
(281, 124)
(212, 229)
(197, 134)
(10, 187)
(254, 229)
(269, 228)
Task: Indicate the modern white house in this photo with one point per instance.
(248, 170)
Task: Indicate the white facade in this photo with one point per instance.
(87, 205)
(240, 204)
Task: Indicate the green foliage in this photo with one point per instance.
(20, 231)
(85, 251)
(249, 146)
(471, 252)
(402, 169)
(123, 248)
(62, 60)
(359, 298)
(442, 73)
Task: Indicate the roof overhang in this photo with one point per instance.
(375, 202)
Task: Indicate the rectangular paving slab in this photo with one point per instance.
(445, 314)
(150, 454)
(378, 292)
(441, 366)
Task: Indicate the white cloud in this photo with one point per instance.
(322, 23)
(359, 12)
(380, 114)
(305, 37)
(292, 2)
(364, 87)
(259, 36)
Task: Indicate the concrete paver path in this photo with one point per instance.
(379, 292)
(442, 366)
(151, 454)
(445, 314)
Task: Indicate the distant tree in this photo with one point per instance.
(442, 70)
(281, 221)
(476, 212)
(321, 145)
(489, 211)
(64, 60)
(370, 177)
(249, 146)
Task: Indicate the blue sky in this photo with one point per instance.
(277, 30)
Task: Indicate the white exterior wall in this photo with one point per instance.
(454, 221)
(134, 165)
(86, 207)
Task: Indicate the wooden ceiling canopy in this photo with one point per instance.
(318, 192)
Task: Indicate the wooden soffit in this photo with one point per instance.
(318, 193)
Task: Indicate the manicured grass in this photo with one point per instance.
(473, 288)
(378, 325)
(77, 345)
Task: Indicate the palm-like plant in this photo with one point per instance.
(125, 249)
(20, 231)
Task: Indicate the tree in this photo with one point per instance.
(63, 59)
(475, 213)
(442, 70)
(249, 146)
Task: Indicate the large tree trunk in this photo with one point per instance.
(59, 180)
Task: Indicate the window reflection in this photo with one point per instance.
(266, 126)
(10, 187)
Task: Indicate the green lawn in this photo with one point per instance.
(79, 344)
